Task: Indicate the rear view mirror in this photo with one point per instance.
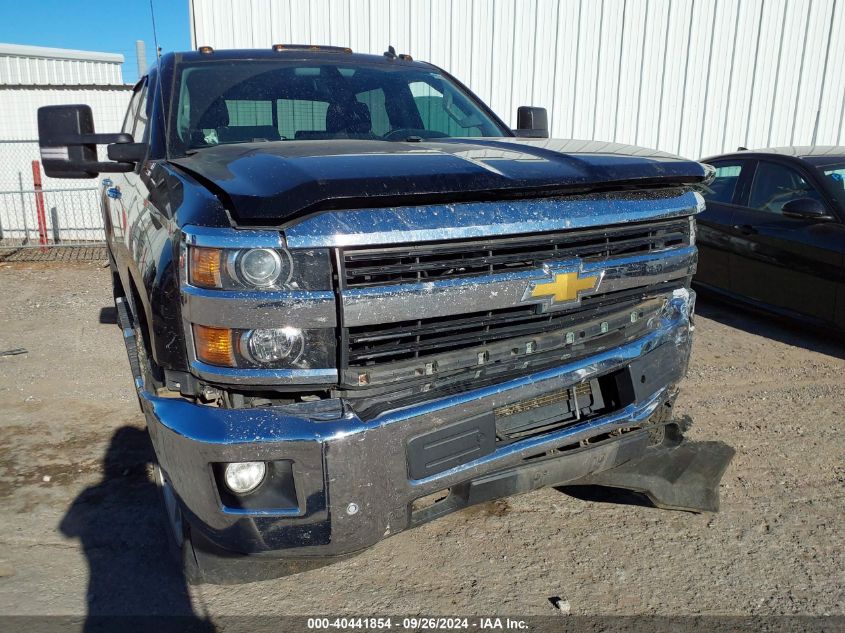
(532, 122)
(69, 145)
(807, 209)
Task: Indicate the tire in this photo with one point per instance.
(146, 366)
(179, 544)
(116, 285)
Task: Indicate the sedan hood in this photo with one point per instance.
(272, 183)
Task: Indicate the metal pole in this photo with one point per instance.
(39, 203)
(23, 210)
(54, 219)
(141, 55)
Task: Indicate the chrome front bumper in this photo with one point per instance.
(351, 475)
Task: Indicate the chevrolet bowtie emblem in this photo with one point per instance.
(564, 288)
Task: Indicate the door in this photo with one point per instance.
(788, 263)
(715, 222)
(114, 185)
(134, 192)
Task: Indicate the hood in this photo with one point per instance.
(272, 183)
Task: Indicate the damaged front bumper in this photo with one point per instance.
(340, 483)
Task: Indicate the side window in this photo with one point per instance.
(141, 118)
(132, 111)
(251, 113)
(296, 115)
(440, 113)
(774, 185)
(374, 100)
(723, 187)
(241, 121)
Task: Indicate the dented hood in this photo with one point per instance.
(271, 183)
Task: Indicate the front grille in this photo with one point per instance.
(383, 386)
(365, 267)
(390, 342)
(389, 364)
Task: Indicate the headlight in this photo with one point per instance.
(267, 346)
(258, 268)
(271, 348)
(263, 267)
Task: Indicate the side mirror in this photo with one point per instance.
(807, 209)
(69, 145)
(532, 122)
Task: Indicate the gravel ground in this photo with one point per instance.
(82, 517)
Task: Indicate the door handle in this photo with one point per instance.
(745, 229)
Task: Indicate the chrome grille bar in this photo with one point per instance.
(405, 302)
(366, 267)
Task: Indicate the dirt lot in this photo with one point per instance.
(81, 516)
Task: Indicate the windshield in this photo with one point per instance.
(248, 101)
(835, 175)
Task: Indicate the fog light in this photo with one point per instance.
(272, 345)
(244, 477)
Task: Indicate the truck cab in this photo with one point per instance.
(354, 300)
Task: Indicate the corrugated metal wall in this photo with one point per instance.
(38, 66)
(693, 77)
(19, 106)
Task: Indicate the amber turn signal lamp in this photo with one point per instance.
(214, 345)
(205, 267)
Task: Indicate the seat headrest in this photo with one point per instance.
(215, 116)
(351, 118)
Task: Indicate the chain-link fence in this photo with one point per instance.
(42, 213)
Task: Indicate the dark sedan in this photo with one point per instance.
(773, 232)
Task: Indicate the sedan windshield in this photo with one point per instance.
(248, 101)
(835, 175)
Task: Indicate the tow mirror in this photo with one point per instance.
(806, 209)
(532, 122)
(69, 145)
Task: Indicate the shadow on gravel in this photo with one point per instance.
(122, 530)
(770, 326)
(606, 494)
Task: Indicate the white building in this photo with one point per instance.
(692, 77)
(31, 77)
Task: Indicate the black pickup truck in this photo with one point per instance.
(354, 300)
